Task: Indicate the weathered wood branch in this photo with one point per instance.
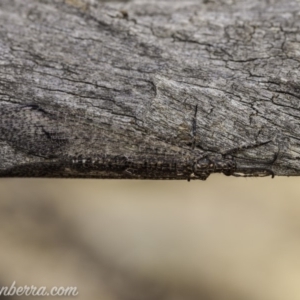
(149, 89)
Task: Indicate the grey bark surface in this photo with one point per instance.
(149, 89)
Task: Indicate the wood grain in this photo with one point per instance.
(157, 90)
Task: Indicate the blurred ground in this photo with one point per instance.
(226, 238)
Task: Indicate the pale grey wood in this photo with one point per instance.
(149, 89)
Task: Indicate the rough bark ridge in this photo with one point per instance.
(149, 89)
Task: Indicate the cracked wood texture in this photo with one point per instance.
(149, 89)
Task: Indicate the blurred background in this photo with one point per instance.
(225, 238)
